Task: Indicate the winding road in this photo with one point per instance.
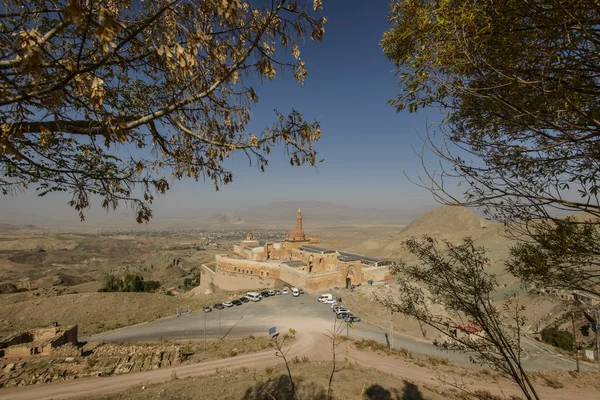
(309, 318)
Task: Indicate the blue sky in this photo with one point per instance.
(365, 143)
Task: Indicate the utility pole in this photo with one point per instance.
(347, 330)
(391, 329)
(204, 336)
(219, 324)
(597, 342)
(575, 346)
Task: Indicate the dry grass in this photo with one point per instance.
(311, 378)
(372, 345)
(422, 361)
(227, 348)
(93, 312)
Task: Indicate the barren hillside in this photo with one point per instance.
(446, 219)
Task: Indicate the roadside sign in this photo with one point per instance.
(272, 330)
(351, 325)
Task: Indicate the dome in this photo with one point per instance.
(296, 233)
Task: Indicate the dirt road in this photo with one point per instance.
(310, 342)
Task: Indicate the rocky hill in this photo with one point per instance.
(446, 219)
(229, 218)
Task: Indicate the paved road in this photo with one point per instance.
(286, 311)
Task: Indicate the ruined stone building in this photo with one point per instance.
(41, 342)
(294, 261)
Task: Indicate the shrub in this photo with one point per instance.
(151, 286)
(553, 383)
(558, 338)
(190, 283)
(486, 395)
(129, 283)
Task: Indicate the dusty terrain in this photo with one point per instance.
(237, 377)
(93, 312)
(100, 359)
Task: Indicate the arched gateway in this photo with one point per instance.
(353, 276)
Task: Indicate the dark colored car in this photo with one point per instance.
(352, 318)
(264, 294)
(237, 303)
(219, 306)
(206, 309)
(301, 291)
(244, 299)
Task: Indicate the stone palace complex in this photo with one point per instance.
(294, 261)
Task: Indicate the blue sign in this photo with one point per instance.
(272, 330)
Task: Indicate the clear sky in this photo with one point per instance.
(366, 144)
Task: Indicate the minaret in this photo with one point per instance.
(299, 219)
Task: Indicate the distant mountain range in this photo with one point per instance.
(281, 214)
(13, 227)
(322, 212)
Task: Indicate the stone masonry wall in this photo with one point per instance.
(248, 267)
(376, 274)
(231, 281)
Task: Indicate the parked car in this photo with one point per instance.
(265, 294)
(244, 299)
(253, 296)
(352, 318)
(277, 291)
(329, 301)
(324, 297)
(342, 315)
(206, 309)
(335, 305)
(271, 292)
(341, 310)
(295, 292)
(237, 303)
(301, 291)
(284, 291)
(228, 304)
(219, 306)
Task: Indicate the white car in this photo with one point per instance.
(342, 310)
(228, 304)
(330, 301)
(335, 304)
(271, 292)
(324, 297)
(284, 291)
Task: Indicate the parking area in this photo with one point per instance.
(281, 311)
(304, 314)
